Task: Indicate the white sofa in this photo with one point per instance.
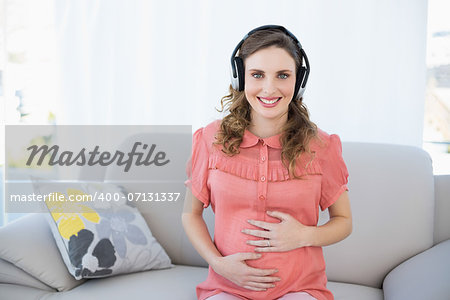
(399, 248)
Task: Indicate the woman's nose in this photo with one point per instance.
(269, 86)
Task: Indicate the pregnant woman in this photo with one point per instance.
(265, 169)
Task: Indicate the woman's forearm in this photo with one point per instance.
(197, 232)
(335, 230)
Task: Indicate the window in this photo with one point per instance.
(27, 70)
(436, 134)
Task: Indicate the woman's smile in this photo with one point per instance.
(269, 101)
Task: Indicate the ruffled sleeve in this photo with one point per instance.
(197, 168)
(334, 173)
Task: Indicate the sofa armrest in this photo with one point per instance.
(424, 276)
(442, 208)
(11, 274)
(28, 244)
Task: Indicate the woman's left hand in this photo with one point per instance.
(287, 235)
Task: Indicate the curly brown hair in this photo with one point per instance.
(298, 131)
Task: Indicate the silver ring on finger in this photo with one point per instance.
(268, 243)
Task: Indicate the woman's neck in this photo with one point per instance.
(264, 128)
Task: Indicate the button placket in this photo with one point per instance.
(262, 180)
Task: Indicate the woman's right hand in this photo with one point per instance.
(234, 268)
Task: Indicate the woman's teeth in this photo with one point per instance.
(269, 101)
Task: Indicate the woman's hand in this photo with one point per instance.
(277, 237)
(234, 268)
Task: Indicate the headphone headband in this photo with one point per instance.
(237, 64)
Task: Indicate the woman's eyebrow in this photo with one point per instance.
(281, 71)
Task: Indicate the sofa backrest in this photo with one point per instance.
(391, 191)
(162, 217)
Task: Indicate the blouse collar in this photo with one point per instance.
(250, 140)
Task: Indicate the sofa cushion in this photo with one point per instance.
(442, 208)
(391, 192)
(163, 218)
(28, 243)
(103, 236)
(174, 283)
(177, 283)
(9, 273)
(347, 291)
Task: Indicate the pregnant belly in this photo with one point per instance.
(290, 264)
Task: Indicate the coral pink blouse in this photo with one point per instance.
(254, 181)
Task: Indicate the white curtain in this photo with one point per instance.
(167, 62)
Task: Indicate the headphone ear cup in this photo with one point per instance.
(298, 83)
(233, 72)
(240, 72)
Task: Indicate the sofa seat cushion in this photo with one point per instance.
(178, 282)
(347, 291)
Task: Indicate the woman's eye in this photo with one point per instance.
(257, 75)
(283, 76)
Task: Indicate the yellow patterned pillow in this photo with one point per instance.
(99, 238)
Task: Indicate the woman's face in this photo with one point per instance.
(269, 83)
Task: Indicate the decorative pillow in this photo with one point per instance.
(102, 237)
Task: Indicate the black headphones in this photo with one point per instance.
(237, 64)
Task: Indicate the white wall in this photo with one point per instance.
(167, 62)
